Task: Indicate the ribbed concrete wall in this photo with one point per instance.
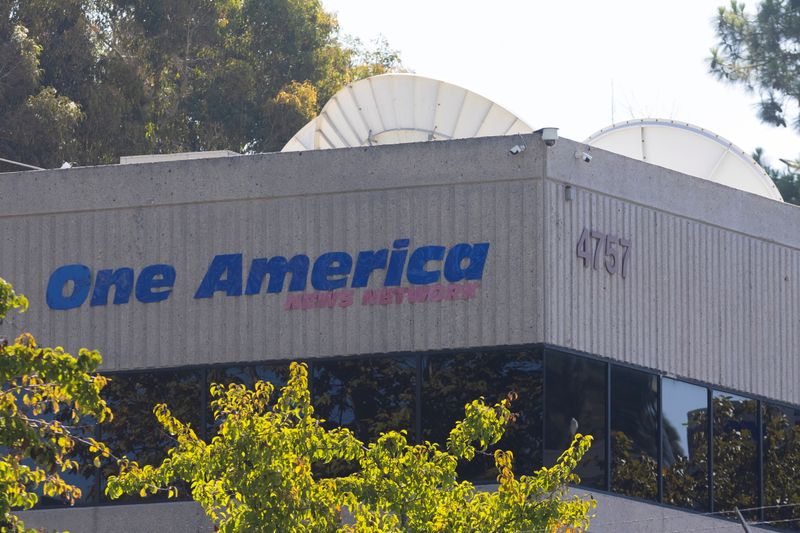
(175, 517)
(701, 301)
(712, 292)
(612, 515)
(182, 330)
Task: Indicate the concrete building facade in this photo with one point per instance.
(614, 261)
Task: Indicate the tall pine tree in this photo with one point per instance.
(87, 81)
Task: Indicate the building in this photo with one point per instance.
(618, 295)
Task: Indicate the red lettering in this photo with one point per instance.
(369, 297)
(293, 301)
(326, 299)
(418, 294)
(309, 301)
(399, 294)
(346, 298)
(386, 296)
(452, 292)
(469, 290)
(437, 293)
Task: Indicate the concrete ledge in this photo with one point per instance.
(614, 514)
(174, 517)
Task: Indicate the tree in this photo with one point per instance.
(258, 472)
(45, 395)
(120, 77)
(787, 181)
(34, 119)
(781, 465)
(761, 52)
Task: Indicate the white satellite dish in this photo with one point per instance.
(686, 148)
(403, 108)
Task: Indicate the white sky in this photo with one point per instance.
(552, 62)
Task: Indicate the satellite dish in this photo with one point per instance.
(689, 149)
(403, 108)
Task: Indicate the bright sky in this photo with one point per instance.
(553, 63)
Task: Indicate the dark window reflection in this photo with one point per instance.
(782, 466)
(634, 433)
(453, 380)
(135, 430)
(369, 396)
(576, 403)
(735, 452)
(85, 478)
(685, 444)
(247, 375)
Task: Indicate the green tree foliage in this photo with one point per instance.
(781, 465)
(45, 395)
(787, 181)
(633, 474)
(90, 80)
(35, 120)
(258, 472)
(761, 52)
(686, 477)
(735, 456)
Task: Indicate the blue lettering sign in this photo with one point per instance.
(328, 265)
(453, 269)
(365, 264)
(397, 262)
(81, 278)
(69, 286)
(155, 277)
(122, 281)
(277, 268)
(229, 265)
(416, 273)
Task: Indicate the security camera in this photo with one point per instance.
(549, 135)
(517, 148)
(583, 155)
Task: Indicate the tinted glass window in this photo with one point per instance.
(369, 396)
(85, 478)
(782, 465)
(575, 401)
(735, 452)
(453, 380)
(135, 432)
(685, 444)
(634, 433)
(247, 375)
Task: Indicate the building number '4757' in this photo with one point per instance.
(596, 248)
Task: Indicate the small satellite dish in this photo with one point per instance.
(403, 108)
(686, 148)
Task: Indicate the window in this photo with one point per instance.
(781, 440)
(368, 395)
(135, 430)
(452, 380)
(555, 395)
(575, 402)
(735, 444)
(85, 478)
(684, 444)
(634, 433)
(247, 375)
